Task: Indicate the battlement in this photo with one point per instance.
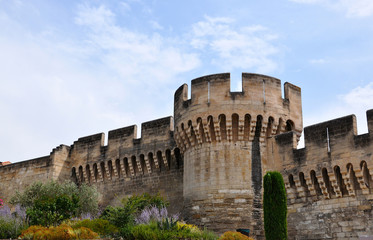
(215, 89)
(329, 137)
(323, 169)
(214, 113)
(152, 131)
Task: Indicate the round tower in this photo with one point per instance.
(225, 139)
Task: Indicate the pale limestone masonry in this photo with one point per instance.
(209, 161)
(329, 182)
(223, 136)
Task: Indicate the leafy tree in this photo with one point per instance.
(48, 211)
(274, 206)
(52, 202)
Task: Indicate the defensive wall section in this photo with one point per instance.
(328, 182)
(209, 159)
(127, 165)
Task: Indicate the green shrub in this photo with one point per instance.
(52, 202)
(11, 223)
(126, 232)
(189, 231)
(274, 206)
(11, 227)
(234, 236)
(125, 214)
(149, 232)
(62, 232)
(100, 226)
(87, 196)
(152, 231)
(48, 211)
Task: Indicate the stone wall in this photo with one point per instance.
(16, 176)
(211, 166)
(130, 165)
(223, 136)
(127, 165)
(329, 183)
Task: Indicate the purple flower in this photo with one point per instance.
(154, 214)
(5, 211)
(19, 212)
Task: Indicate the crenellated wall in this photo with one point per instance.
(130, 165)
(329, 182)
(210, 159)
(223, 136)
(126, 166)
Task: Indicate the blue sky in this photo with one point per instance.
(74, 68)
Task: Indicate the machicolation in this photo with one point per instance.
(209, 159)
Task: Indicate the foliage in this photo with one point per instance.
(125, 214)
(87, 195)
(100, 226)
(1, 202)
(189, 227)
(234, 236)
(151, 231)
(11, 227)
(153, 214)
(11, 224)
(61, 232)
(126, 232)
(145, 217)
(52, 202)
(274, 206)
(138, 202)
(118, 216)
(155, 223)
(48, 211)
(167, 224)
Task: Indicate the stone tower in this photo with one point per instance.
(224, 137)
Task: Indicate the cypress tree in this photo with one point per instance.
(274, 206)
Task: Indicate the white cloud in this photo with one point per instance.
(357, 8)
(155, 25)
(359, 97)
(351, 8)
(136, 57)
(56, 89)
(95, 17)
(318, 61)
(357, 101)
(248, 47)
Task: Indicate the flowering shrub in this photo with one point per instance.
(45, 195)
(100, 226)
(1, 202)
(152, 231)
(190, 227)
(155, 223)
(11, 224)
(124, 215)
(62, 232)
(52, 202)
(234, 236)
(154, 214)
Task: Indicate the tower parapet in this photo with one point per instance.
(223, 136)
